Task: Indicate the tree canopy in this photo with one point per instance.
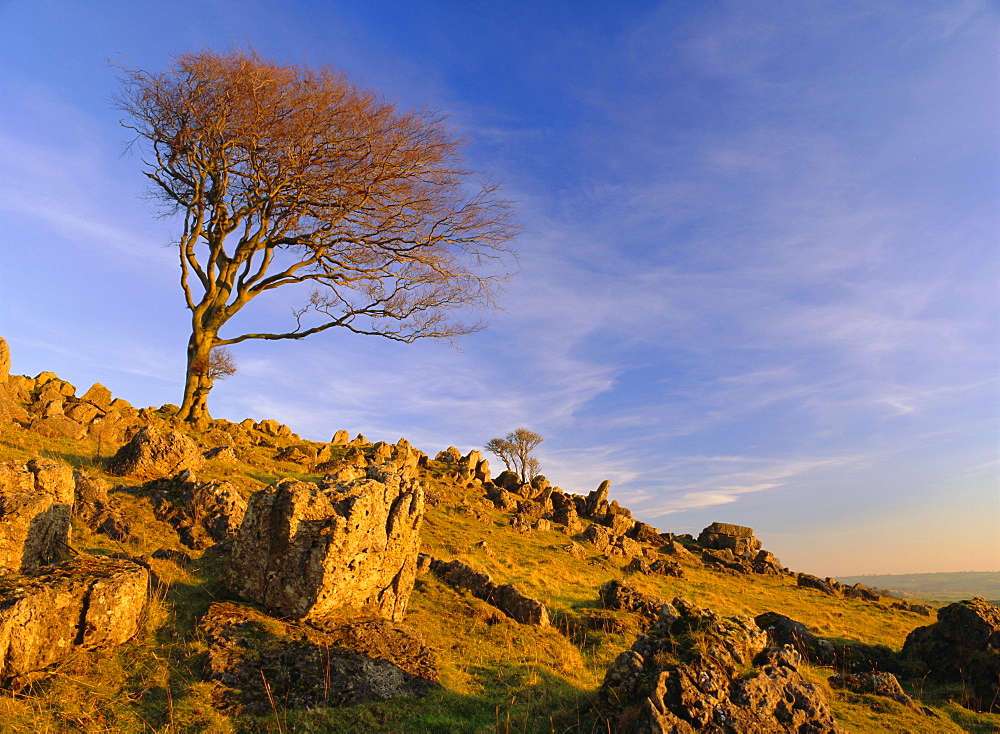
(515, 449)
(293, 177)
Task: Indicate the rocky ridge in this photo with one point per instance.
(320, 572)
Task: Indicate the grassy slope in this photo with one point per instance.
(498, 675)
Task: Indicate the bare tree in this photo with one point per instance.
(515, 449)
(294, 178)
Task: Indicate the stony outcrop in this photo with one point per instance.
(153, 454)
(660, 567)
(256, 660)
(36, 502)
(808, 581)
(876, 683)
(304, 551)
(963, 646)
(722, 536)
(847, 657)
(202, 513)
(616, 595)
(596, 502)
(690, 673)
(97, 509)
(605, 541)
(922, 609)
(90, 602)
(504, 597)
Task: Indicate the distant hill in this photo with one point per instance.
(943, 586)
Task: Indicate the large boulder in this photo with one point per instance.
(153, 454)
(304, 551)
(963, 646)
(255, 660)
(697, 671)
(724, 536)
(90, 602)
(37, 504)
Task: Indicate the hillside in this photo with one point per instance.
(941, 586)
(495, 673)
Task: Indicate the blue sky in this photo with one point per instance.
(759, 271)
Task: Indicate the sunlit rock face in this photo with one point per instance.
(305, 551)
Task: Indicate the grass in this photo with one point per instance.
(498, 676)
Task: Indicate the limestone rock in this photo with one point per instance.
(340, 438)
(963, 646)
(223, 454)
(304, 551)
(567, 516)
(808, 581)
(202, 513)
(616, 595)
(922, 609)
(255, 659)
(57, 426)
(36, 503)
(152, 454)
(502, 499)
(675, 548)
(697, 671)
(619, 525)
(450, 455)
(876, 683)
(574, 549)
(482, 471)
(644, 533)
(737, 538)
(90, 602)
(766, 564)
(10, 408)
(848, 657)
(504, 597)
(99, 396)
(656, 568)
(859, 591)
(274, 429)
(598, 498)
(600, 536)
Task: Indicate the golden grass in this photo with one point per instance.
(498, 675)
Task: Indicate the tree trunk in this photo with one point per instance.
(197, 382)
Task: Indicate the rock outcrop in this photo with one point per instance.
(90, 602)
(36, 502)
(304, 551)
(504, 597)
(616, 595)
(690, 673)
(256, 660)
(202, 513)
(153, 454)
(737, 538)
(876, 684)
(846, 657)
(963, 646)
